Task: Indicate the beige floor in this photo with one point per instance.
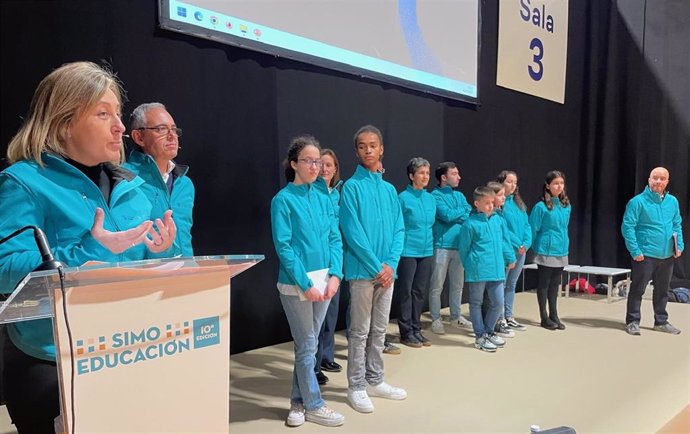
(592, 377)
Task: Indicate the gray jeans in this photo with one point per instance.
(369, 310)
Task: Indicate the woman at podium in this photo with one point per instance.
(310, 250)
(65, 178)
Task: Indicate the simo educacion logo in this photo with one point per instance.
(137, 346)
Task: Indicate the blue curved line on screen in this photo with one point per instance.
(422, 56)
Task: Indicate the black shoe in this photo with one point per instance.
(549, 325)
(331, 367)
(321, 378)
(411, 341)
(423, 339)
(559, 324)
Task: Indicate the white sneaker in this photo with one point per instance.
(460, 322)
(437, 327)
(296, 415)
(360, 400)
(496, 340)
(325, 416)
(385, 390)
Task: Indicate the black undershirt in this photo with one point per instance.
(98, 175)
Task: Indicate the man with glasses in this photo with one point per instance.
(653, 233)
(167, 185)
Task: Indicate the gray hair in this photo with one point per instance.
(415, 164)
(138, 117)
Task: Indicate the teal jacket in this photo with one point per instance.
(62, 201)
(649, 223)
(180, 201)
(519, 229)
(550, 229)
(372, 225)
(305, 234)
(452, 210)
(419, 214)
(332, 193)
(484, 248)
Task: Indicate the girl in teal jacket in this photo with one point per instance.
(520, 233)
(307, 240)
(549, 221)
(62, 180)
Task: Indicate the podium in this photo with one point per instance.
(141, 346)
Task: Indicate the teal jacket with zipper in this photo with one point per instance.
(372, 225)
(452, 210)
(62, 201)
(550, 228)
(305, 234)
(180, 200)
(517, 220)
(419, 213)
(649, 223)
(484, 248)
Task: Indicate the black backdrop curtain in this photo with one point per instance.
(627, 110)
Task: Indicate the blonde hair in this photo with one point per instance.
(60, 98)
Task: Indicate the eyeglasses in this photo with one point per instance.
(164, 130)
(309, 162)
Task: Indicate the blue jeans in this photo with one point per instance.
(305, 318)
(369, 310)
(485, 325)
(325, 350)
(446, 261)
(511, 281)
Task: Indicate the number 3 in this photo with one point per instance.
(536, 74)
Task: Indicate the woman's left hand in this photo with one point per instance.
(332, 287)
(162, 239)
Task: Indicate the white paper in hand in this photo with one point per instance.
(320, 279)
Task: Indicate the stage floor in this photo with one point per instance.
(592, 377)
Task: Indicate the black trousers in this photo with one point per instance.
(325, 350)
(549, 281)
(658, 270)
(414, 275)
(31, 390)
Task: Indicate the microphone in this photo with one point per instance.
(126, 136)
(49, 262)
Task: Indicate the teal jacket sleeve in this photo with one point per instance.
(335, 244)
(281, 227)
(677, 226)
(630, 220)
(527, 235)
(354, 234)
(184, 227)
(19, 255)
(535, 219)
(514, 239)
(183, 193)
(465, 242)
(508, 250)
(448, 214)
(398, 242)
